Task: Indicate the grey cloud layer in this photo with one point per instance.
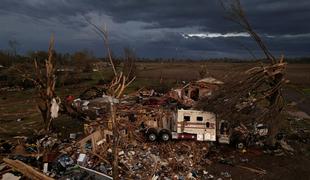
(155, 27)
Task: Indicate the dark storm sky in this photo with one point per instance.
(156, 28)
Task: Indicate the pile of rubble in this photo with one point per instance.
(90, 155)
(68, 158)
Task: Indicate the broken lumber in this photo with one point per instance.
(26, 170)
(100, 157)
(258, 171)
(96, 173)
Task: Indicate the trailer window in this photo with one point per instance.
(187, 118)
(199, 118)
(207, 124)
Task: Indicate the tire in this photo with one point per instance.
(165, 136)
(152, 136)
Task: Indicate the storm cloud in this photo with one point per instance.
(156, 28)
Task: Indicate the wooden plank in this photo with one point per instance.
(26, 170)
(258, 171)
(98, 175)
(94, 138)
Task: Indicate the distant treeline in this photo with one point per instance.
(82, 58)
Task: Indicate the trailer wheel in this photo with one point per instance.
(152, 136)
(165, 136)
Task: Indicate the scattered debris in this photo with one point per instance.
(244, 160)
(142, 117)
(226, 161)
(286, 146)
(226, 174)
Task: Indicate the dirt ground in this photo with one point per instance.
(19, 116)
(294, 166)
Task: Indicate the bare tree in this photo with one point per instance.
(44, 80)
(260, 85)
(235, 13)
(129, 66)
(46, 85)
(103, 33)
(116, 89)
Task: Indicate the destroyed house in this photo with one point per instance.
(201, 88)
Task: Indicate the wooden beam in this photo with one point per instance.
(26, 170)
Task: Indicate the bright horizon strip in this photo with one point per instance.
(215, 35)
(240, 34)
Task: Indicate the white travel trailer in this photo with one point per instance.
(200, 126)
(186, 124)
(200, 123)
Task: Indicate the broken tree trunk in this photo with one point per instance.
(45, 83)
(116, 89)
(115, 142)
(44, 79)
